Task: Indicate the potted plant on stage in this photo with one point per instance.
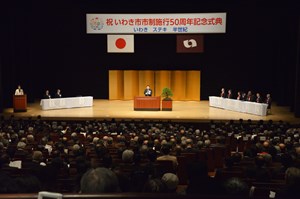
(166, 103)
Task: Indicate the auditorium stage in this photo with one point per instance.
(190, 111)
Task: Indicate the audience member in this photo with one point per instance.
(171, 181)
(154, 186)
(236, 187)
(99, 180)
(292, 180)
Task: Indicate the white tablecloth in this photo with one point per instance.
(238, 105)
(68, 102)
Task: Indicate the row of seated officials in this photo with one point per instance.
(125, 163)
(247, 97)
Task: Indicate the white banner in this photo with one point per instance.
(156, 23)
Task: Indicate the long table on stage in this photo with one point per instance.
(67, 102)
(147, 103)
(238, 105)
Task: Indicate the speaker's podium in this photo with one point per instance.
(20, 103)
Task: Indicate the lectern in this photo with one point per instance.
(146, 103)
(20, 103)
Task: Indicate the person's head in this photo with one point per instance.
(19, 86)
(229, 91)
(148, 87)
(249, 93)
(257, 95)
(47, 92)
(99, 180)
(30, 138)
(222, 90)
(292, 177)
(170, 180)
(154, 186)
(58, 90)
(268, 95)
(236, 187)
(37, 156)
(21, 145)
(127, 156)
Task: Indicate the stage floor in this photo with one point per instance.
(123, 109)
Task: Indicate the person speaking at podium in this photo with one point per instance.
(19, 91)
(148, 91)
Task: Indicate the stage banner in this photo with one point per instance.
(156, 23)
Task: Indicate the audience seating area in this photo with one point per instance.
(238, 158)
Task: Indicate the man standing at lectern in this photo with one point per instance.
(19, 91)
(148, 91)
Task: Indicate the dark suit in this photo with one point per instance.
(47, 96)
(229, 96)
(250, 98)
(58, 95)
(148, 92)
(259, 100)
(268, 101)
(244, 98)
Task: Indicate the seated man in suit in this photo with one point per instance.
(47, 95)
(19, 91)
(244, 96)
(58, 94)
(239, 95)
(268, 101)
(258, 98)
(229, 94)
(148, 91)
(249, 97)
(222, 94)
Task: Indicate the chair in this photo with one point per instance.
(165, 166)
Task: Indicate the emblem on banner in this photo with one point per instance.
(96, 23)
(191, 43)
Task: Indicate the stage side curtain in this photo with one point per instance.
(125, 84)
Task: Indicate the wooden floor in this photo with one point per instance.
(123, 109)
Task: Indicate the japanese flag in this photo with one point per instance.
(120, 43)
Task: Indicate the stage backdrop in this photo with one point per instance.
(125, 84)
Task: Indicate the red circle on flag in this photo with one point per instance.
(120, 43)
